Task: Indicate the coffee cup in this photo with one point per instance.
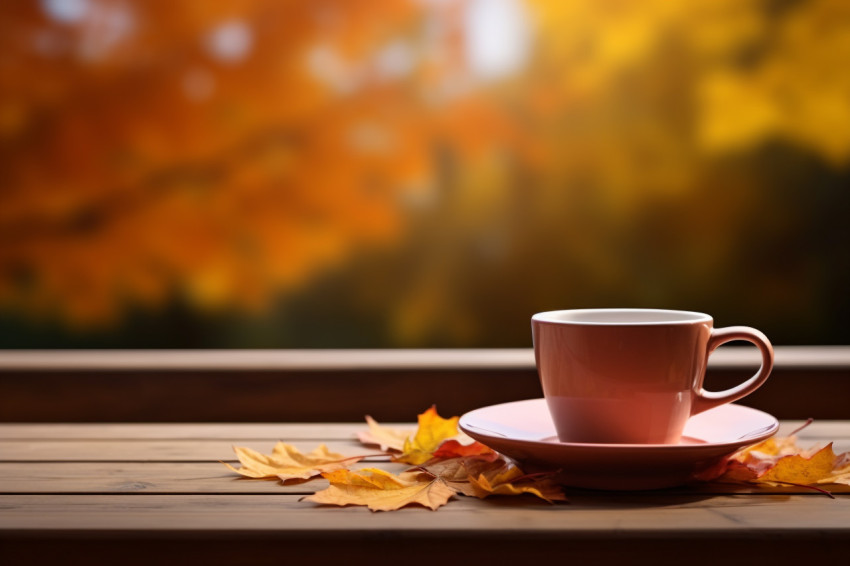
(633, 376)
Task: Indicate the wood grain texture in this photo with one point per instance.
(214, 478)
(62, 507)
(602, 516)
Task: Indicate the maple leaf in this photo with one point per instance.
(432, 431)
(382, 491)
(801, 468)
(386, 439)
(287, 463)
(780, 461)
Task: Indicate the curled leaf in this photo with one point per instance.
(510, 480)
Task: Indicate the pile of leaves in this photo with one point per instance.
(444, 463)
(780, 461)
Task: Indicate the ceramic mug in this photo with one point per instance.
(632, 376)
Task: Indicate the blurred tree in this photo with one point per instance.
(439, 169)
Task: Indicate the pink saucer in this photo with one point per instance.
(523, 430)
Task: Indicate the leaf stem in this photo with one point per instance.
(809, 421)
(812, 487)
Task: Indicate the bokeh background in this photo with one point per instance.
(418, 173)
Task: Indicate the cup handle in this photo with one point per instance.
(704, 400)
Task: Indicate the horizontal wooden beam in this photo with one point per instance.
(735, 357)
(345, 385)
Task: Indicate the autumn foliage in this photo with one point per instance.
(217, 152)
(781, 462)
(224, 154)
(442, 468)
(446, 464)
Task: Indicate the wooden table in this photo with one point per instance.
(158, 493)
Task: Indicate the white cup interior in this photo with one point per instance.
(621, 316)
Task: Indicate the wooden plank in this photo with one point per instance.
(817, 430)
(337, 396)
(189, 431)
(294, 386)
(215, 478)
(152, 450)
(806, 357)
(149, 478)
(117, 443)
(601, 516)
(266, 360)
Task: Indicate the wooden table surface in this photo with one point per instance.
(142, 493)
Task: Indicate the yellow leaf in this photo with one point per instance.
(432, 431)
(799, 469)
(286, 462)
(386, 438)
(381, 491)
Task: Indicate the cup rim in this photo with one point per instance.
(621, 317)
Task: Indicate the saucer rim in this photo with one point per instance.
(768, 431)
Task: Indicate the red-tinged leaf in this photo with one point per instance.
(454, 449)
(779, 461)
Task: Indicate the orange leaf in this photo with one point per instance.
(385, 438)
(381, 491)
(286, 462)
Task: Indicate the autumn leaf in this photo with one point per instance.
(801, 469)
(386, 439)
(286, 462)
(780, 461)
(512, 481)
(382, 491)
(456, 471)
(482, 477)
(454, 449)
(432, 431)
